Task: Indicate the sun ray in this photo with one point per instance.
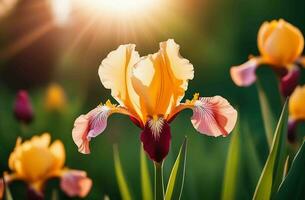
(25, 41)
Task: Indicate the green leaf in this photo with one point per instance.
(272, 174)
(230, 178)
(267, 114)
(176, 179)
(123, 187)
(293, 187)
(54, 195)
(8, 195)
(145, 178)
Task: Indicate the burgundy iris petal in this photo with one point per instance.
(289, 82)
(292, 135)
(156, 147)
(23, 110)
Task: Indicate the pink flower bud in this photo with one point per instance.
(23, 110)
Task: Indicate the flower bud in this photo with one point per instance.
(55, 99)
(23, 110)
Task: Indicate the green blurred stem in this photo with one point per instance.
(268, 118)
(159, 189)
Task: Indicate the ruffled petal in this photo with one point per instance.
(115, 72)
(156, 140)
(161, 79)
(88, 126)
(244, 75)
(75, 183)
(290, 81)
(214, 116)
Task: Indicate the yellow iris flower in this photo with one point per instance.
(149, 90)
(36, 160)
(280, 45)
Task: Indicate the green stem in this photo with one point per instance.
(159, 189)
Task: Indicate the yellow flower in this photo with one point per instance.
(36, 160)
(55, 98)
(280, 45)
(297, 104)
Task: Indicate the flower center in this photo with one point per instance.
(155, 124)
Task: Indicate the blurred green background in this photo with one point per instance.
(213, 35)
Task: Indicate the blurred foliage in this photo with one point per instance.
(213, 35)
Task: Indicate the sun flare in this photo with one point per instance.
(117, 7)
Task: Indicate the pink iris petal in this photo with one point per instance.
(88, 126)
(214, 116)
(75, 183)
(244, 75)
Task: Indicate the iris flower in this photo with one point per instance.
(296, 111)
(149, 90)
(35, 161)
(280, 45)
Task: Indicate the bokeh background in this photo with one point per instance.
(44, 42)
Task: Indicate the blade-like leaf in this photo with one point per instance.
(123, 187)
(54, 195)
(8, 195)
(293, 186)
(230, 178)
(176, 179)
(145, 178)
(272, 173)
(267, 114)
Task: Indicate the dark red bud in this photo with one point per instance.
(23, 110)
(289, 81)
(157, 148)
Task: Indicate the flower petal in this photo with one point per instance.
(284, 43)
(75, 183)
(244, 75)
(296, 103)
(88, 126)
(1, 188)
(157, 147)
(214, 116)
(290, 81)
(58, 150)
(161, 79)
(115, 72)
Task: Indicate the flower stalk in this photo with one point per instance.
(159, 188)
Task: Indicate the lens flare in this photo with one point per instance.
(61, 11)
(117, 7)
